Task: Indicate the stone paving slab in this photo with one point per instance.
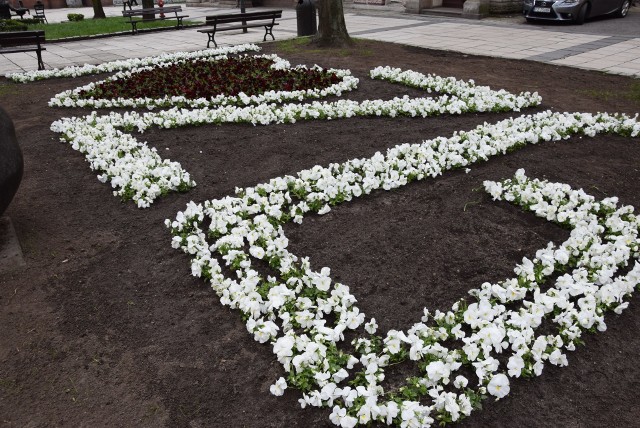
(619, 58)
(475, 39)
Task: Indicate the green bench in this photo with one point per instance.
(219, 22)
(137, 16)
(23, 41)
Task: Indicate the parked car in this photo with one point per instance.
(575, 11)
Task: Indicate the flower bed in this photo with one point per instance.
(210, 82)
(88, 134)
(292, 308)
(303, 314)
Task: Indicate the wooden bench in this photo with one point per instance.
(23, 41)
(149, 15)
(219, 23)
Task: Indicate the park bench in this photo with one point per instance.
(38, 9)
(219, 22)
(23, 41)
(149, 15)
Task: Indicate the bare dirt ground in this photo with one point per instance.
(106, 327)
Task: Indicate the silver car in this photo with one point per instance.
(575, 11)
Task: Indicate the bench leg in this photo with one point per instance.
(211, 39)
(134, 28)
(268, 30)
(40, 63)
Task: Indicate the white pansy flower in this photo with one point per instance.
(499, 386)
(460, 382)
(371, 326)
(340, 418)
(278, 387)
(515, 365)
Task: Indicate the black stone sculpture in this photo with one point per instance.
(11, 164)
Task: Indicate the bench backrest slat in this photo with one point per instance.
(237, 17)
(139, 12)
(17, 38)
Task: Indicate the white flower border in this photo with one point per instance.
(481, 98)
(290, 311)
(127, 64)
(88, 134)
(136, 171)
(71, 98)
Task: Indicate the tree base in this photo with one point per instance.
(333, 41)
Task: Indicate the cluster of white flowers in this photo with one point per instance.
(269, 113)
(128, 64)
(136, 171)
(72, 98)
(479, 98)
(303, 314)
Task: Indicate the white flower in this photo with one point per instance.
(557, 358)
(257, 252)
(437, 370)
(340, 418)
(460, 382)
(278, 387)
(371, 326)
(515, 365)
(322, 281)
(498, 386)
(324, 209)
(340, 375)
(618, 310)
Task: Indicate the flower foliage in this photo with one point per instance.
(127, 64)
(303, 314)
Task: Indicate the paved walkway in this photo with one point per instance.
(559, 45)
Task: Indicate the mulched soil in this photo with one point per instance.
(106, 327)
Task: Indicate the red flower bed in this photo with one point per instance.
(206, 79)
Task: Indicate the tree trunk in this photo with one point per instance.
(98, 11)
(332, 31)
(148, 4)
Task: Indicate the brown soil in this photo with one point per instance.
(106, 327)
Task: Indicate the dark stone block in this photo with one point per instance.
(11, 164)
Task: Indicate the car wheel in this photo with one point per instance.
(624, 9)
(530, 20)
(582, 14)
